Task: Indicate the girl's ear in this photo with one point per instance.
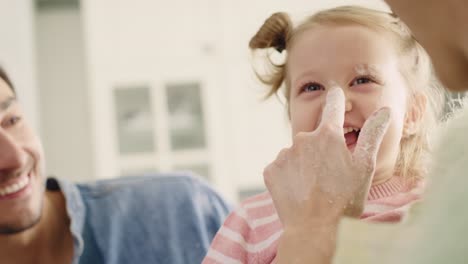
(415, 114)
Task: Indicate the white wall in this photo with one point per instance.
(64, 94)
(17, 52)
(155, 42)
(83, 55)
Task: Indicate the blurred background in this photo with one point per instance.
(124, 87)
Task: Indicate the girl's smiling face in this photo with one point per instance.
(362, 62)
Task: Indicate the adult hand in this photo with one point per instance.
(318, 178)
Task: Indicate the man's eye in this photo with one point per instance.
(311, 87)
(9, 122)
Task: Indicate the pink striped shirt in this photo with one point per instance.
(250, 234)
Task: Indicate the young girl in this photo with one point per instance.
(373, 57)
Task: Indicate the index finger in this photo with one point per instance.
(334, 110)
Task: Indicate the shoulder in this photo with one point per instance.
(257, 202)
(451, 137)
(253, 230)
(258, 206)
(450, 157)
(170, 184)
(145, 210)
(155, 192)
(253, 212)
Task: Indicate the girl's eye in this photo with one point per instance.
(12, 121)
(312, 87)
(362, 80)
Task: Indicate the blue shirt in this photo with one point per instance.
(147, 219)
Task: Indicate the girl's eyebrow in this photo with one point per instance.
(365, 68)
(370, 69)
(303, 75)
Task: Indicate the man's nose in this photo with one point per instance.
(11, 155)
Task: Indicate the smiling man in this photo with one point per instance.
(150, 219)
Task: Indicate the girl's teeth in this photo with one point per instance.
(350, 129)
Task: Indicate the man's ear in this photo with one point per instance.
(415, 114)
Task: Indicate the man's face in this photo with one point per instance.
(21, 167)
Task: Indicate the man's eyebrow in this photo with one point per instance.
(5, 104)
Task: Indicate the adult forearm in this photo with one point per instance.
(302, 245)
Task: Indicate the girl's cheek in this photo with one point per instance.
(369, 88)
(373, 97)
(305, 118)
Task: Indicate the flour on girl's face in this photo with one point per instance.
(365, 69)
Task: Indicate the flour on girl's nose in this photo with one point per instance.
(335, 102)
(333, 85)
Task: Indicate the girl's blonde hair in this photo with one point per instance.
(415, 66)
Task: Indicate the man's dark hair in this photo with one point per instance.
(4, 77)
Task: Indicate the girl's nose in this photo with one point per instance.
(348, 106)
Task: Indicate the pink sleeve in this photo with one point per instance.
(249, 234)
(229, 243)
